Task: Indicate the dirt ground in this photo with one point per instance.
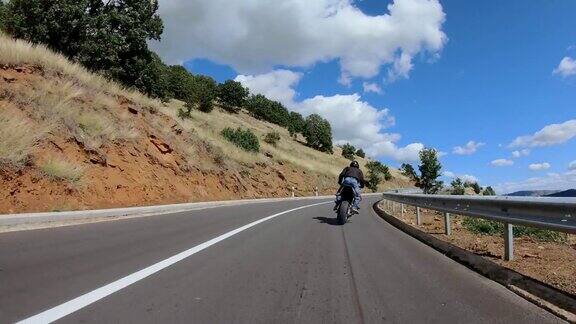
(549, 262)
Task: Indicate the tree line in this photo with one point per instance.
(110, 38)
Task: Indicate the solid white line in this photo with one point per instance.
(80, 302)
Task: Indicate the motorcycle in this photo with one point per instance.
(344, 207)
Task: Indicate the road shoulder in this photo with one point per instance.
(555, 301)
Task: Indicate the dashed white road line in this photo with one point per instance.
(82, 301)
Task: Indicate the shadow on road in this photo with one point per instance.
(326, 220)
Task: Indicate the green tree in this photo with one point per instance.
(195, 90)
(271, 111)
(348, 151)
(360, 153)
(408, 170)
(2, 15)
(179, 83)
(476, 187)
(429, 171)
(376, 173)
(106, 36)
(318, 133)
(232, 95)
(296, 124)
(489, 191)
(457, 187)
(204, 92)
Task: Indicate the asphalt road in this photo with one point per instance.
(298, 267)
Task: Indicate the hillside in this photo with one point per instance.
(73, 140)
(532, 193)
(565, 193)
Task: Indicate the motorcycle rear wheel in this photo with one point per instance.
(343, 212)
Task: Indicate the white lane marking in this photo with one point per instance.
(80, 302)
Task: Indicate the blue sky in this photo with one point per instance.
(490, 73)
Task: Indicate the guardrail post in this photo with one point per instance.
(508, 242)
(418, 219)
(447, 227)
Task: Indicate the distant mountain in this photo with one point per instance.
(565, 193)
(533, 193)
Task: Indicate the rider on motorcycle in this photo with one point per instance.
(352, 177)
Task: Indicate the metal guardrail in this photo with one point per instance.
(557, 214)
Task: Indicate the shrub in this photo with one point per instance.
(488, 227)
(232, 95)
(457, 187)
(60, 169)
(489, 191)
(272, 138)
(348, 151)
(244, 139)
(360, 153)
(318, 133)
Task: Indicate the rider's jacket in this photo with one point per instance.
(352, 172)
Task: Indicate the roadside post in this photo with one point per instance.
(447, 227)
(418, 219)
(508, 242)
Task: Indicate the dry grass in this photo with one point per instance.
(207, 127)
(59, 169)
(17, 138)
(15, 52)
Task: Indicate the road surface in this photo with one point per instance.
(294, 267)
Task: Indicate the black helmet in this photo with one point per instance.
(354, 164)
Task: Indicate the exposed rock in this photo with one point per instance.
(163, 147)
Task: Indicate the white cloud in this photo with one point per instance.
(552, 181)
(567, 67)
(253, 36)
(353, 120)
(539, 166)
(371, 87)
(470, 148)
(572, 165)
(502, 162)
(463, 177)
(520, 153)
(277, 85)
(549, 135)
(468, 178)
(401, 68)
